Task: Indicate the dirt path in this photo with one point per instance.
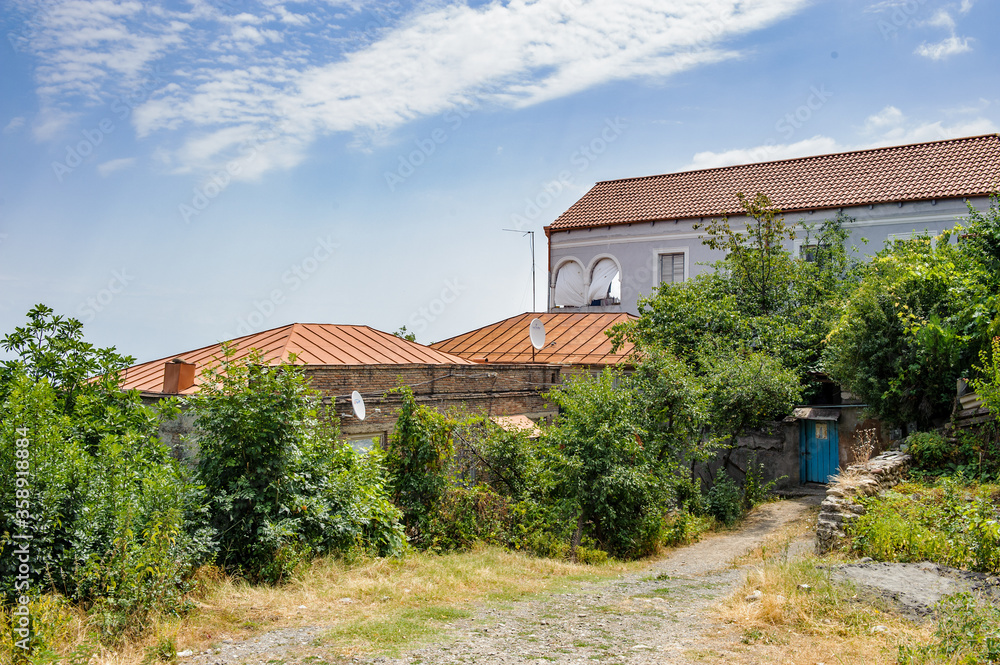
(657, 615)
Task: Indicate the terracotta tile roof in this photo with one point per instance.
(570, 338)
(921, 171)
(313, 344)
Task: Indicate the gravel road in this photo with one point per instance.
(657, 615)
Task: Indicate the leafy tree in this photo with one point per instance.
(988, 385)
(403, 334)
(281, 487)
(921, 314)
(745, 390)
(759, 298)
(115, 525)
(759, 265)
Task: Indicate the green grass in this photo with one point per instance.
(387, 634)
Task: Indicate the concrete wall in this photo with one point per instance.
(775, 445)
(636, 247)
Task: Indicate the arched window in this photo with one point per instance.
(605, 283)
(570, 290)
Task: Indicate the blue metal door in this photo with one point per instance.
(819, 451)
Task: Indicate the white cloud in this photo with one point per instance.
(109, 167)
(887, 127)
(268, 68)
(942, 19)
(950, 46)
(768, 152)
(81, 45)
(890, 116)
(14, 125)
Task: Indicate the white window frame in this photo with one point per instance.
(686, 251)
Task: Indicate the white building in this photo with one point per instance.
(625, 237)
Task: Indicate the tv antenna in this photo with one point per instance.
(531, 234)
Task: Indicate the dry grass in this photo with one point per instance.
(370, 605)
(794, 537)
(823, 622)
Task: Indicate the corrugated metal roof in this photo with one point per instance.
(313, 344)
(955, 168)
(570, 338)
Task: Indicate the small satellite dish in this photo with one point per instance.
(359, 405)
(536, 331)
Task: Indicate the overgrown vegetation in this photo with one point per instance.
(950, 522)
(281, 487)
(924, 312)
(114, 524)
(118, 528)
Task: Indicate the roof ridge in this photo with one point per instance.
(800, 159)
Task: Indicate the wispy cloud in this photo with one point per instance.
(267, 70)
(109, 167)
(816, 145)
(14, 125)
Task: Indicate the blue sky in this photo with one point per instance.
(175, 174)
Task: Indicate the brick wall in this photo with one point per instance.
(490, 390)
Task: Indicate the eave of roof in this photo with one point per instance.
(953, 168)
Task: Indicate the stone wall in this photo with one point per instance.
(840, 507)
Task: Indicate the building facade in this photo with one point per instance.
(625, 237)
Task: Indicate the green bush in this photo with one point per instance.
(755, 490)
(950, 523)
(930, 450)
(418, 458)
(972, 454)
(469, 515)
(968, 631)
(725, 501)
(688, 496)
(282, 488)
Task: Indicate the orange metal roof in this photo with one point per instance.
(313, 344)
(570, 338)
(954, 168)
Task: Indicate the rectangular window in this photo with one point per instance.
(365, 442)
(672, 268)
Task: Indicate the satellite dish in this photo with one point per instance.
(359, 405)
(536, 331)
